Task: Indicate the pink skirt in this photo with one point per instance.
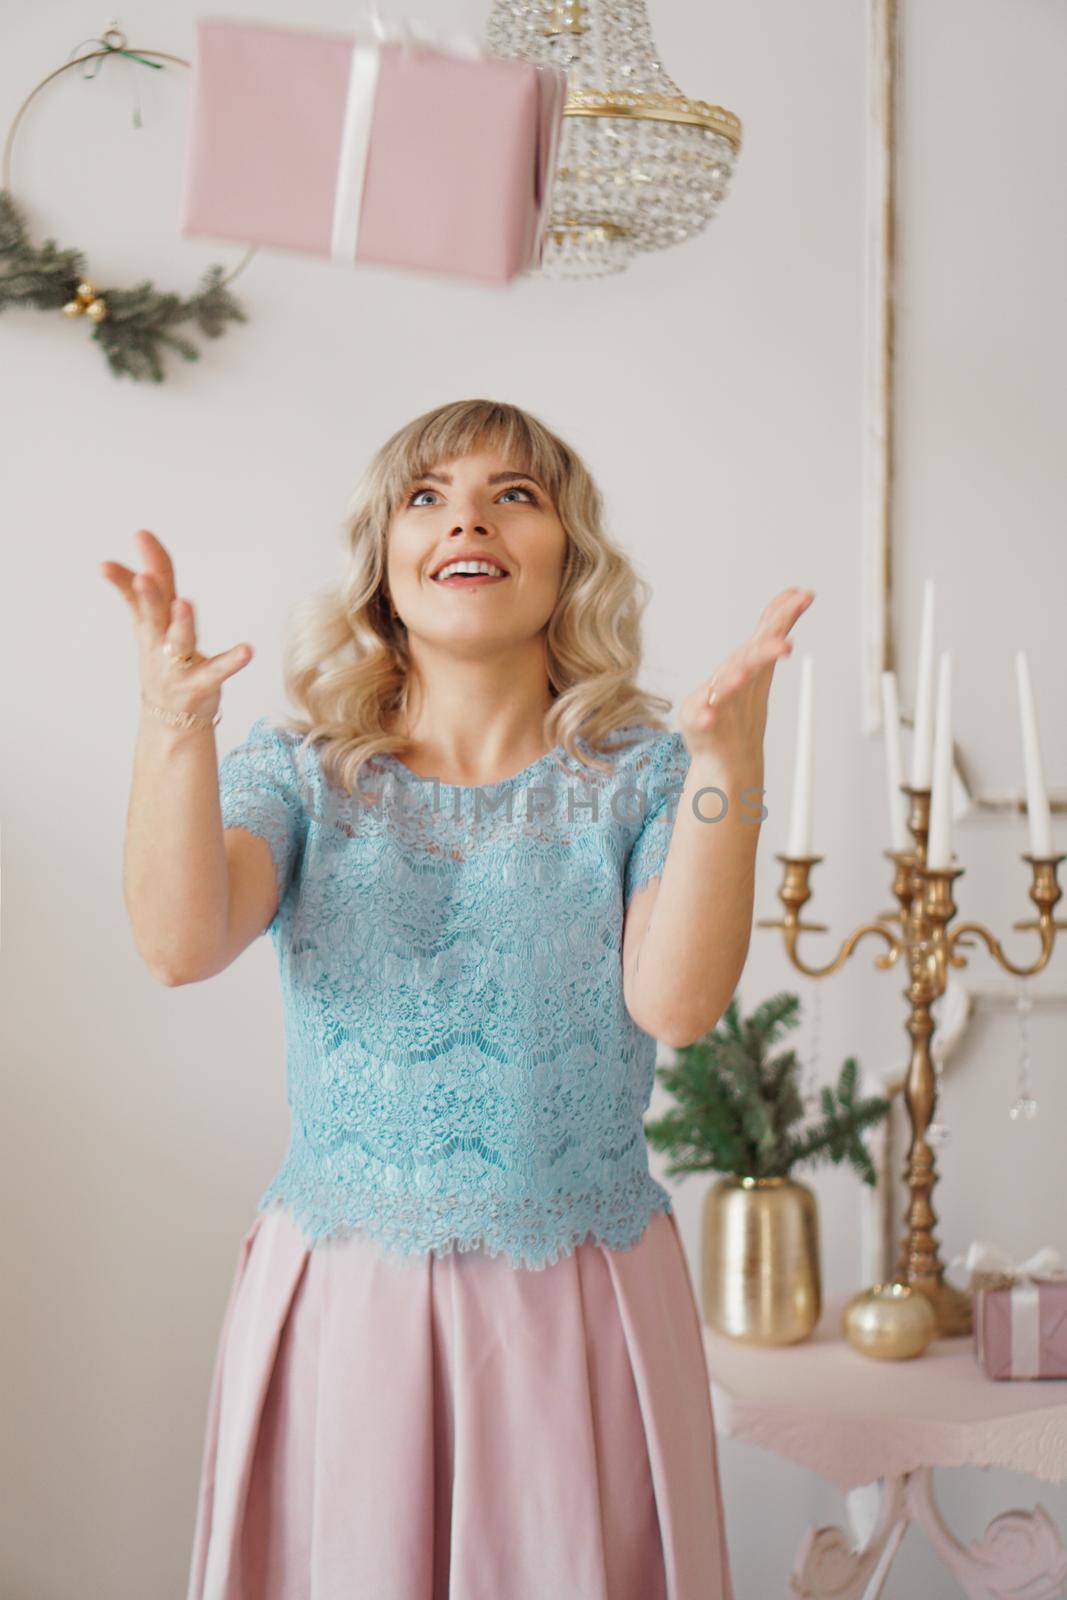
(457, 1427)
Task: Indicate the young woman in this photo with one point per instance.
(461, 1355)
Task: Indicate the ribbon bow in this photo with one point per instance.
(414, 34)
(113, 43)
(988, 1267)
(112, 49)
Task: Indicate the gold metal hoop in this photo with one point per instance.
(77, 62)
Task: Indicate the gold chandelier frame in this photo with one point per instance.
(649, 107)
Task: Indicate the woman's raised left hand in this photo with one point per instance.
(729, 726)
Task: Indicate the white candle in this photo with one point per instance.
(939, 839)
(898, 820)
(924, 694)
(800, 818)
(1037, 806)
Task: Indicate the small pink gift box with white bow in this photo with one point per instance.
(1020, 1311)
(392, 147)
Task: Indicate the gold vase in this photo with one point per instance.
(761, 1279)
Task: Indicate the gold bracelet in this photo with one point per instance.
(181, 719)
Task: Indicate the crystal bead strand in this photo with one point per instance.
(810, 1093)
(1025, 1104)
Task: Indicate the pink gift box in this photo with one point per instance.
(444, 166)
(1021, 1331)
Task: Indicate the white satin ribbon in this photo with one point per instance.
(1025, 1330)
(359, 115)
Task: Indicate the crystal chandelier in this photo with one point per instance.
(640, 166)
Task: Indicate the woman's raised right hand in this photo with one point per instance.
(165, 630)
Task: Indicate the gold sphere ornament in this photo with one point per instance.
(889, 1321)
(86, 301)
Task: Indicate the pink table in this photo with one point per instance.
(877, 1429)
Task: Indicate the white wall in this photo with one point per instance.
(716, 391)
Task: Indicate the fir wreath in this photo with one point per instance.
(132, 325)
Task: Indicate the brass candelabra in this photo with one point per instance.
(923, 935)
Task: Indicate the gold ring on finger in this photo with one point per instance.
(185, 662)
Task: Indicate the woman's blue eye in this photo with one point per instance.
(516, 488)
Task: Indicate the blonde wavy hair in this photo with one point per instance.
(346, 662)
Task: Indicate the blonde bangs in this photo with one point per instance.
(346, 663)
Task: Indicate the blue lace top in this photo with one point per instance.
(462, 1070)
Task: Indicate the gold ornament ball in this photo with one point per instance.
(86, 291)
(889, 1321)
(96, 311)
(73, 308)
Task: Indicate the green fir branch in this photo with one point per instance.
(140, 323)
(738, 1109)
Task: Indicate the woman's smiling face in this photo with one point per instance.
(475, 507)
